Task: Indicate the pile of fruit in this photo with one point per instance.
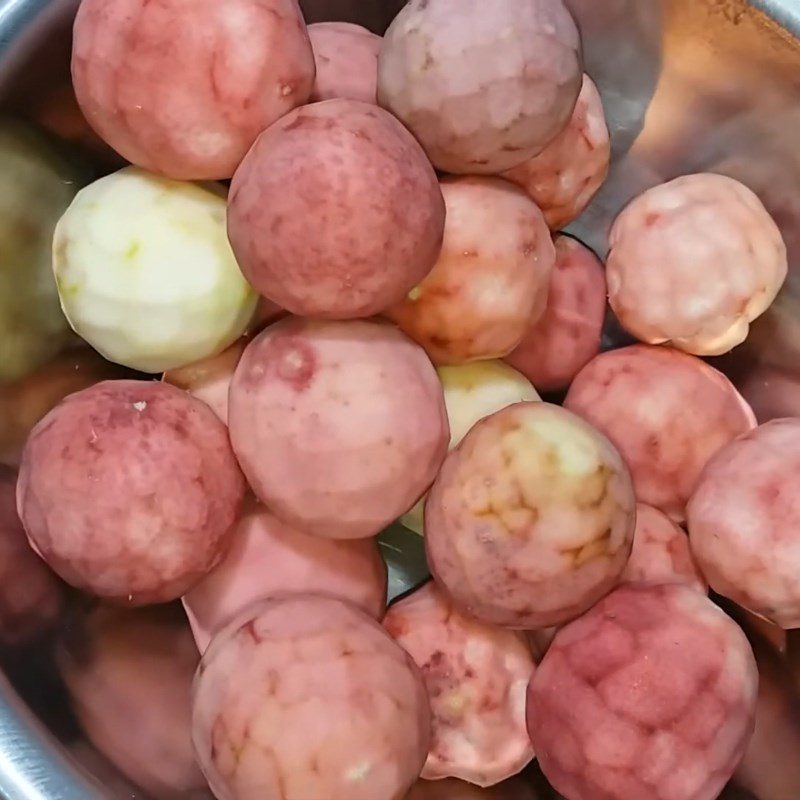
(359, 329)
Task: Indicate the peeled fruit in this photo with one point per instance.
(184, 87)
(651, 694)
(25, 402)
(209, 379)
(483, 84)
(129, 490)
(667, 412)
(560, 342)
(490, 280)
(693, 262)
(476, 677)
(567, 174)
(362, 224)
(268, 556)
(744, 521)
(324, 705)
(661, 552)
(472, 392)
(145, 272)
(340, 427)
(347, 61)
(530, 521)
(129, 675)
(31, 597)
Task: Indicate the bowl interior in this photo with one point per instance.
(689, 85)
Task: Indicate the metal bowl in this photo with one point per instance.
(689, 85)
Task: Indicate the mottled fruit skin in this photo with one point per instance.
(451, 789)
(558, 344)
(667, 412)
(129, 490)
(362, 224)
(324, 705)
(650, 695)
(184, 87)
(693, 262)
(484, 85)
(744, 521)
(567, 174)
(530, 521)
(471, 392)
(129, 675)
(268, 556)
(490, 280)
(661, 552)
(476, 677)
(31, 597)
(346, 56)
(209, 380)
(339, 426)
